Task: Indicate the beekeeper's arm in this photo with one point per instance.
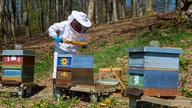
(54, 30)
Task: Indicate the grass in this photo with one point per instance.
(168, 38)
(44, 66)
(108, 56)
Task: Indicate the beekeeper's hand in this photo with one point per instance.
(57, 39)
(86, 46)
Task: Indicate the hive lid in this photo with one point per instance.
(18, 52)
(156, 49)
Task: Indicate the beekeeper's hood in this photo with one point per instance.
(80, 17)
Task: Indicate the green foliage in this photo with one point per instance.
(43, 66)
(186, 92)
(102, 44)
(117, 102)
(7, 102)
(118, 41)
(71, 102)
(183, 63)
(150, 12)
(41, 104)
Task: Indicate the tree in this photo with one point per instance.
(140, 8)
(133, 8)
(90, 9)
(178, 4)
(13, 17)
(165, 5)
(25, 4)
(148, 5)
(122, 8)
(41, 16)
(2, 5)
(115, 11)
(186, 11)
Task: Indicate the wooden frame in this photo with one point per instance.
(113, 71)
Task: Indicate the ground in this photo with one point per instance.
(102, 33)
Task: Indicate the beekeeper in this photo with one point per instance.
(73, 29)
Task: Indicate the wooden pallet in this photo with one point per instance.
(178, 102)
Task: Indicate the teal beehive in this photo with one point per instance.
(155, 70)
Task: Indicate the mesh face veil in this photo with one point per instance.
(78, 27)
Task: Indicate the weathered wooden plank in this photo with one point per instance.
(63, 82)
(153, 60)
(24, 73)
(109, 69)
(18, 52)
(161, 60)
(93, 90)
(168, 102)
(154, 57)
(75, 61)
(12, 60)
(136, 59)
(161, 79)
(82, 76)
(64, 74)
(156, 50)
(162, 69)
(161, 92)
(11, 79)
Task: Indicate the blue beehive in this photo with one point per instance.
(155, 70)
(74, 61)
(74, 69)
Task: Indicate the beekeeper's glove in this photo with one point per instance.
(86, 46)
(57, 39)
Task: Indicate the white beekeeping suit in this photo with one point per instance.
(67, 30)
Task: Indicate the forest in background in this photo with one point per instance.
(35, 16)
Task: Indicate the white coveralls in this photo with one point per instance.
(64, 30)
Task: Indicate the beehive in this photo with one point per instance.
(155, 70)
(74, 69)
(17, 66)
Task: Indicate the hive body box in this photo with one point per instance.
(155, 70)
(73, 69)
(18, 66)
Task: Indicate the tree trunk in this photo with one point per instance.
(150, 5)
(57, 10)
(107, 2)
(165, 5)
(91, 9)
(41, 17)
(48, 13)
(26, 17)
(178, 4)
(140, 8)
(186, 11)
(133, 8)
(96, 12)
(115, 11)
(123, 9)
(2, 5)
(13, 17)
(147, 6)
(7, 22)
